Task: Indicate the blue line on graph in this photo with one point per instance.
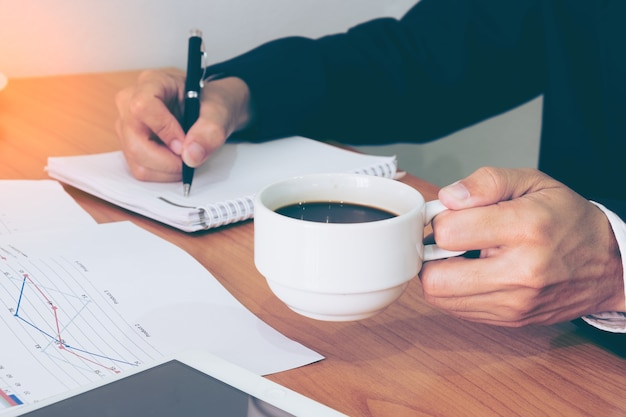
(19, 300)
(57, 338)
(16, 400)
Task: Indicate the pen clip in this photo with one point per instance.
(210, 78)
(203, 64)
(203, 61)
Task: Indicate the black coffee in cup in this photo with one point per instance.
(334, 212)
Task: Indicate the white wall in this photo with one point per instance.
(49, 37)
(40, 37)
(510, 140)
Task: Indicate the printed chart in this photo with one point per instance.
(70, 329)
(78, 305)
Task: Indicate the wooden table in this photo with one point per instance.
(411, 360)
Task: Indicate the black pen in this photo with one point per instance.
(192, 95)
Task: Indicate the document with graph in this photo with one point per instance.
(78, 305)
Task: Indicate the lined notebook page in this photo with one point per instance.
(223, 188)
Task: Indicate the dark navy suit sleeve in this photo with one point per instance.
(448, 64)
(445, 65)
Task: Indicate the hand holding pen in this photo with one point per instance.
(152, 137)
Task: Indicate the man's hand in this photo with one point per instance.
(547, 255)
(151, 136)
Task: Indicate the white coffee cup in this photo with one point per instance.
(342, 271)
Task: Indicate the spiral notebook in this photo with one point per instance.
(223, 188)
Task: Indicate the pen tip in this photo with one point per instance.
(186, 189)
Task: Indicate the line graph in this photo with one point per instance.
(56, 331)
(79, 304)
(72, 331)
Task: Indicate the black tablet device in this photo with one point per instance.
(189, 384)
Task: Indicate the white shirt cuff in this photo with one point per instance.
(612, 321)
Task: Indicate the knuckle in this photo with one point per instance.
(489, 171)
(429, 282)
(147, 75)
(518, 310)
(491, 175)
(443, 232)
(138, 105)
(139, 172)
(133, 152)
(214, 130)
(538, 227)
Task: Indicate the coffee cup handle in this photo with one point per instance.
(432, 251)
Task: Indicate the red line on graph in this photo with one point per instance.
(59, 338)
(63, 348)
(8, 398)
(52, 306)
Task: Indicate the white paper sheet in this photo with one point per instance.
(77, 305)
(27, 205)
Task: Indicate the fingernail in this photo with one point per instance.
(457, 191)
(195, 153)
(176, 146)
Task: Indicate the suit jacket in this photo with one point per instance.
(448, 64)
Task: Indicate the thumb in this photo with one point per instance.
(223, 110)
(203, 138)
(490, 185)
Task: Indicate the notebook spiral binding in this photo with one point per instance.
(220, 214)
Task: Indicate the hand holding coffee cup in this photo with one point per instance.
(341, 247)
